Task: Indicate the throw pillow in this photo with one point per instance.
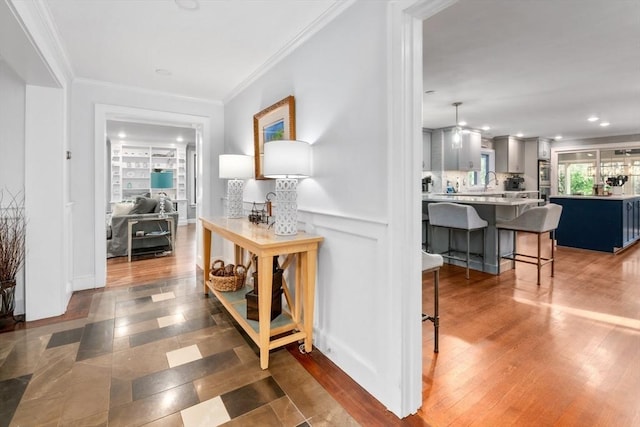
(122, 208)
(168, 206)
(144, 205)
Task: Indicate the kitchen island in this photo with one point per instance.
(599, 223)
(491, 209)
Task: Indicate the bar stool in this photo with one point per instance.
(425, 226)
(454, 216)
(538, 220)
(433, 262)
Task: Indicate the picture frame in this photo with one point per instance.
(276, 122)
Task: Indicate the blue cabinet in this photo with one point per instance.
(601, 224)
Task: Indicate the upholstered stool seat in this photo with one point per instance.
(538, 220)
(454, 216)
(433, 262)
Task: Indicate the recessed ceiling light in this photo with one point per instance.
(519, 134)
(485, 128)
(462, 123)
(557, 137)
(593, 118)
(122, 135)
(590, 154)
(163, 72)
(188, 4)
(604, 124)
(179, 139)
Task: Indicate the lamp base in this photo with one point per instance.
(162, 212)
(235, 208)
(286, 207)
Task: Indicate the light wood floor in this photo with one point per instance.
(566, 352)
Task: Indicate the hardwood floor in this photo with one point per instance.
(564, 353)
(149, 268)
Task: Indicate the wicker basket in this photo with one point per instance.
(227, 278)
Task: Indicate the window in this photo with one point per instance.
(576, 172)
(478, 177)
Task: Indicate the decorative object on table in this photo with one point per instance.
(161, 180)
(13, 227)
(258, 216)
(227, 278)
(235, 168)
(456, 138)
(287, 161)
(261, 216)
(616, 183)
(275, 122)
(253, 296)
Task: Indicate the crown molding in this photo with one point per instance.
(145, 91)
(329, 15)
(37, 22)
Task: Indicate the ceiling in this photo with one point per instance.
(149, 132)
(536, 67)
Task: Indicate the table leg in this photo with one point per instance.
(297, 308)
(309, 274)
(265, 277)
(206, 255)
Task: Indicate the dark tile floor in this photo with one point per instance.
(154, 355)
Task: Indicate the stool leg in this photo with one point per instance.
(468, 240)
(499, 257)
(436, 314)
(539, 260)
(513, 254)
(553, 258)
(484, 238)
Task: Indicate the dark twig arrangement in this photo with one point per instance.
(13, 226)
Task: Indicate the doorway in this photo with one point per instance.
(106, 113)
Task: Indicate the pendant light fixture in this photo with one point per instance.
(456, 137)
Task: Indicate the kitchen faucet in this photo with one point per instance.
(487, 181)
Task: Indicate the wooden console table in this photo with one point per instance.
(295, 325)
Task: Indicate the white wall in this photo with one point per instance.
(12, 106)
(85, 95)
(339, 78)
(48, 290)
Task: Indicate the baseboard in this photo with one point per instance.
(85, 282)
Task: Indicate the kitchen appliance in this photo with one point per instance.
(514, 183)
(426, 184)
(544, 179)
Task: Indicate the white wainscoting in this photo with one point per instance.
(352, 271)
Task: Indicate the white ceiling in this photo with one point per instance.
(209, 51)
(537, 67)
(149, 132)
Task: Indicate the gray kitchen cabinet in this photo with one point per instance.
(426, 150)
(509, 154)
(465, 158)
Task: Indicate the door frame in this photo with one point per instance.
(104, 112)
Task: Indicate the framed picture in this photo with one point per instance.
(275, 122)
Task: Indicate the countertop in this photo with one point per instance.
(616, 197)
(489, 193)
(479, 200)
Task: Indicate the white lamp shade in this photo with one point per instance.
(287, 159)
(235, 166)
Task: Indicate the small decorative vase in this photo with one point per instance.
(7, 298)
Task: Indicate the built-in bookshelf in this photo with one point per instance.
(131, 167)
